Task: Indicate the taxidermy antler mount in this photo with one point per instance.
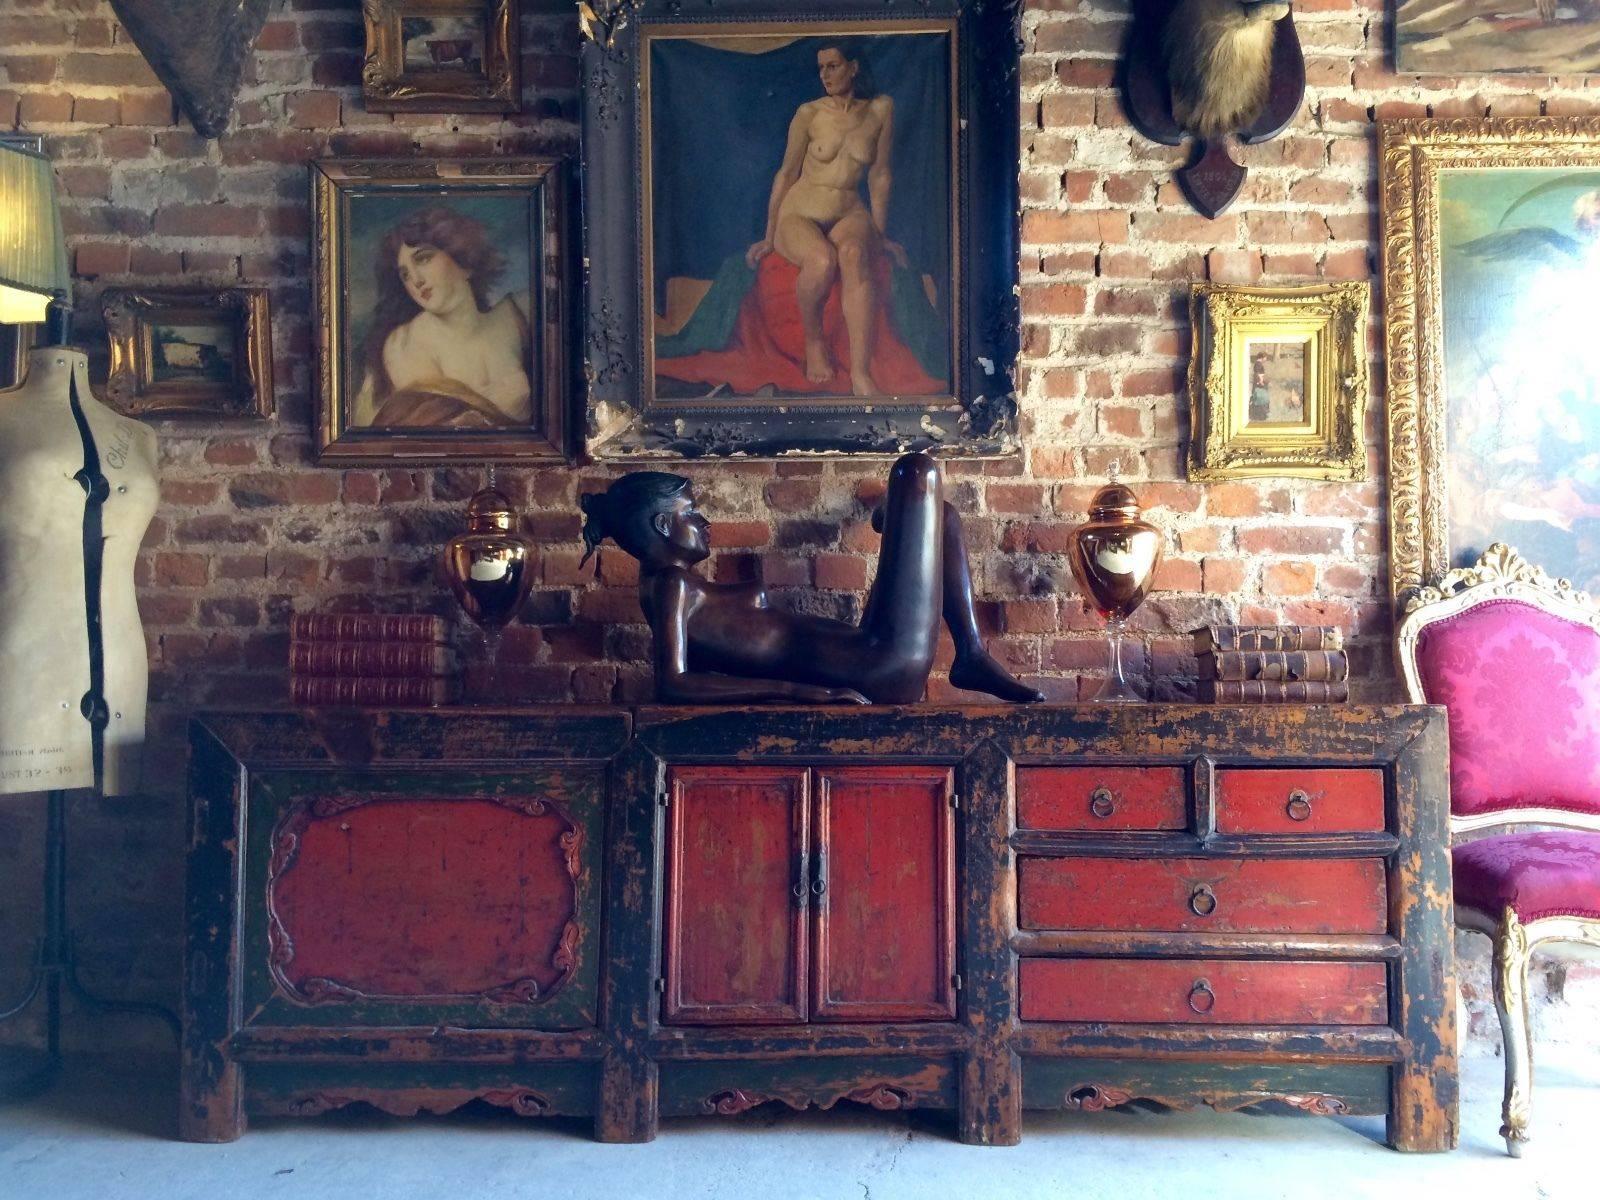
(1211, 70)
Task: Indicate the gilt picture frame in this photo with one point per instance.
(1490, 237)
(1278, 381)
(442, 56)
(442, 296)
(189, 352)
(729, 315)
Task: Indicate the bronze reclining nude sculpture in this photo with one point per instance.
(720, 643)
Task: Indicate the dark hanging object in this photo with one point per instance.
(198, 49)
(1209, 70)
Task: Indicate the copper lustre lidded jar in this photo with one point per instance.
(490, 569)
(1114, 556)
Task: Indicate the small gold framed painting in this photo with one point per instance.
(1278, 381)
(190, 352)
(441, 56)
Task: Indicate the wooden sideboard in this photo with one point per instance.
(619, 913)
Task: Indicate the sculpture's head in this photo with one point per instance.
(651, 515)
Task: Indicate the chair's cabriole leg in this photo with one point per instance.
(1511, 1001)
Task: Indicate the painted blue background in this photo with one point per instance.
(720, 120)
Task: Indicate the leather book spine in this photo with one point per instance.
(374, 691)
(370, 658)
(1209, 638)
(367, 627)
(1309, 666)
(1256, 691)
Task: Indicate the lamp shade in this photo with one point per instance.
(33, 252)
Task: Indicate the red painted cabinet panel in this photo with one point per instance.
(1101, 798)
(1300, 800)
(884, 893)
(401, 898)
(1200, 895)
(735, 944)
(1200, 992)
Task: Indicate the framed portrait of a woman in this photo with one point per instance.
(803, 228)
(442, 291)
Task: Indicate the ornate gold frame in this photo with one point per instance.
(1413, 152)
(1330, 319)
(388, 87)
(544, 181)
(131, 316)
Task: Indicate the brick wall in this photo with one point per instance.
(250, 528)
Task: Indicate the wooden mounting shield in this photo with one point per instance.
(1213, 180)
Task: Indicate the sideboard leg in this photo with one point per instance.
(629, 1100)
(1422, 1109)
(990, 1111)
(211, 1109)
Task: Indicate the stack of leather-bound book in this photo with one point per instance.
(1272, 664)
(376, 659)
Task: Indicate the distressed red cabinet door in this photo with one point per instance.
(884, 889)
(735, 929)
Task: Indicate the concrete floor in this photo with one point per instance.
(104, 1133)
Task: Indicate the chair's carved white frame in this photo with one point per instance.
(1503, 574)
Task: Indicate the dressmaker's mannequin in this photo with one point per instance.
(59, 495)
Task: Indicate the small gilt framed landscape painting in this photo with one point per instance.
(441, 56)
(192, 352)
(1278, 381)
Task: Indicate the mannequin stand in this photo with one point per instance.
(25, 1072)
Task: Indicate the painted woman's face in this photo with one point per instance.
(838, 73)
(432, 278)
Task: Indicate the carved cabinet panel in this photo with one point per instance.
(384, 894)
(796, 894)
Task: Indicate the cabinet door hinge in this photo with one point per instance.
(955, 800)
(955, 982)
(661, 983)
(664, 797)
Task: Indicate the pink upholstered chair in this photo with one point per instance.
(1515, 656)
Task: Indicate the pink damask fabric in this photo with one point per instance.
(1546, 874)
(1523, 690)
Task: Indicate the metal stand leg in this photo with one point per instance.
(26, 1073)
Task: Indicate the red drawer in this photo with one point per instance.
(1090, 798)
(1305, 800)
(1217, 895)
(1203, 991)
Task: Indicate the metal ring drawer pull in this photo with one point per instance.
(1299, 806)
(1102, 803)
(818, 886)
(1201, 998)
(1203, 901)
(799, 891)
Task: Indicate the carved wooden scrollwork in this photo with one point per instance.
(523, 1101)
(886, 1097)
(286, 846)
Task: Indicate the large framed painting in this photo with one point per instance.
(802, 227)
(442, 293)
(1491, 239)
(1466, 37)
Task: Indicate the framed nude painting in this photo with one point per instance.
(803, 231)
(442, 292)
(1491, 236)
